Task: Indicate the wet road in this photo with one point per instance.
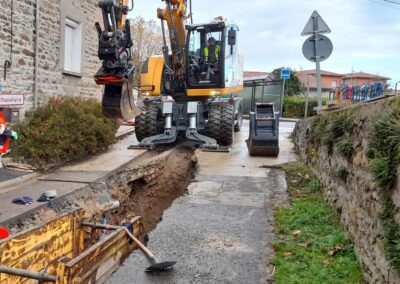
(220, 232)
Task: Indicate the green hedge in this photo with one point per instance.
(294, 107)
(63, 130)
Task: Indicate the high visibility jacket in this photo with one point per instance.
(216, 55)
(3, 123)
(4, 140)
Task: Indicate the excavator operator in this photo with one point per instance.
(211, 55)
(212, 50)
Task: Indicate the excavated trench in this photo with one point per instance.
(154, 192)
(145, 187)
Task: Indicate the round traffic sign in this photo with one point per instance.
(323, 48)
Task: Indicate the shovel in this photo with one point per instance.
(156, 265)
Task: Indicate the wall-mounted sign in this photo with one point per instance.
(8, 99)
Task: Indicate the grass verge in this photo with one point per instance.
(312, 247)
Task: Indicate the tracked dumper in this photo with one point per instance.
(264, 131)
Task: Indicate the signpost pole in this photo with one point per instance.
(307, 96)
(317, 60)
(283, 94)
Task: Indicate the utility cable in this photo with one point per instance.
(383, 4)
(392, 1)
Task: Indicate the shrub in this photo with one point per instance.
(345, 147)
(294, 107)
(328, 129)
(384, 153)
(64, 130)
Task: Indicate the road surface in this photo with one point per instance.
(221, 231)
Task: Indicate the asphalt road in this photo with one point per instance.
(221, 231)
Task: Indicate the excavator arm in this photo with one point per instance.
(117, 70)
(175, 15)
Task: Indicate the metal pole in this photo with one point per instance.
(282, 96)
(307, 96)
(37, 27)
(317, 60)
(395, 89)
(28, 274)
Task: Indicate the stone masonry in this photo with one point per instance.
(357, 198)
(52, 81)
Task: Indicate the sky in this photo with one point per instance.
(365, 33)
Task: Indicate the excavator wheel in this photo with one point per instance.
(149, 123)
(118, 101)
(221, 123)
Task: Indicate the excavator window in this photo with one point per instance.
(206, 56)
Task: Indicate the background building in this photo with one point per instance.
(64, 49)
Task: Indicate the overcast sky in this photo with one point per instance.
(365, 33)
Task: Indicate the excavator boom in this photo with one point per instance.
(175, 15)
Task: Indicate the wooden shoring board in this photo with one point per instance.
(42, 247)
(98, 262)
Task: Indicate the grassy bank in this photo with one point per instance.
(311, 246)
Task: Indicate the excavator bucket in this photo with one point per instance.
(114, 51)
(118, 101)
(264, 131)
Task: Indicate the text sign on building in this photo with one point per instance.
(285, 74)
(10, 99)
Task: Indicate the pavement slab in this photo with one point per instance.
(32, 189)
(67, 179)
(8, 174)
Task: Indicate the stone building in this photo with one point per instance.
(58, 60)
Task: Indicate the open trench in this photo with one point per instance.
(145, 187)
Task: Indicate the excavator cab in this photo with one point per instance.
(212, 55)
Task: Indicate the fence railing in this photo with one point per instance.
(358, 93)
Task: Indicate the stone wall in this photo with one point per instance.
(51, 80)
(356, 197)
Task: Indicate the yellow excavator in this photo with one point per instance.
(188, 90)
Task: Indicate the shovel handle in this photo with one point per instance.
(142, 247)
(113, 227)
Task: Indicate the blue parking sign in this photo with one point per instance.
(285, 74)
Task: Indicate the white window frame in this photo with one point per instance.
(73, 17)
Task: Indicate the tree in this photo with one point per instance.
(147, 41)
(293, 85)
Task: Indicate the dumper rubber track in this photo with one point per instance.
(221, 123)
(149, 123)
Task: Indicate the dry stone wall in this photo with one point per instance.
(355, 195)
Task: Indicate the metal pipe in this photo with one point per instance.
(193, 121)
(28, 274)
(168, 121)
(35, 90)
